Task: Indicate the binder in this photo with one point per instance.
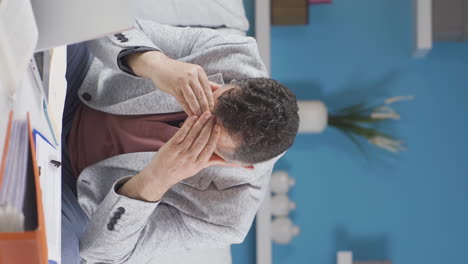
(29, 246)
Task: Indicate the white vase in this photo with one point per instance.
(281, 205)
(313, 116)
(283, 230)
(281, 182)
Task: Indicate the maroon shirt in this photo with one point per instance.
(95, 135)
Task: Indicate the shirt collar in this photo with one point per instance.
(217, 78)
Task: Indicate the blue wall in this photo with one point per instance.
(410, 208)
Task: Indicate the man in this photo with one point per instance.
(140, 203)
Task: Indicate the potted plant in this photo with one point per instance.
(354, 121)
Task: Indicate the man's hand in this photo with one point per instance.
(184, 155)
(187, 82)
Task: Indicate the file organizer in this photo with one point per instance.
(29, 246)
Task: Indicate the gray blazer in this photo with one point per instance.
(212, 209)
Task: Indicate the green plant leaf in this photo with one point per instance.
(355, 140)
(351, 118)
(357, 108)
(366, 132)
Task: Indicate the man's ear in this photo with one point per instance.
(250, 167)
(217, 160)
(214, 86)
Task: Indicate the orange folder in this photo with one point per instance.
(28, 247)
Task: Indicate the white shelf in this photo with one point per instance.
(262, 30)
(423, 27)
(263, 220)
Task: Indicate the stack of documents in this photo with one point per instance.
(13, 181)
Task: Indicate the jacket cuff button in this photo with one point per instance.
(121, 210)
(117, 215)
(86, 97)
(110, 227)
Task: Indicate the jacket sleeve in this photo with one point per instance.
(146, 228)
(233, 56)
(182, 43)
(111, 49)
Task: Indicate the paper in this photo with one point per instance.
(57, 87)
(50, 179)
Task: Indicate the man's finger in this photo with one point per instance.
(210, 147)
(187, 110)
(206, 88)
(200, 143)
(196, 129)
(201, 96)
(184, 104)
(191, 100)
(214, 87)
(184, 130)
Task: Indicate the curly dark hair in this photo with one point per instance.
(262, 114)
